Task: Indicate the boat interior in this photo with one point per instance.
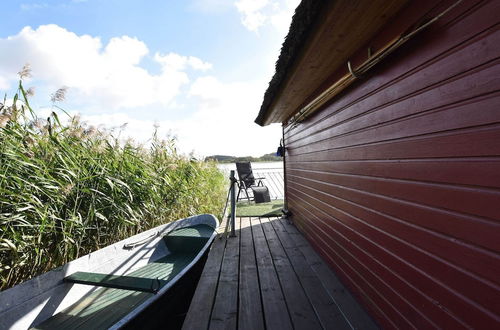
(116, 296)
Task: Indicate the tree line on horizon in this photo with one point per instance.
(233, 159)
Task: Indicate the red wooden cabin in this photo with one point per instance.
(391, 121)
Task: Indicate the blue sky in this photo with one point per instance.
(197, 68)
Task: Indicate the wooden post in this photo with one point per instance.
(233, 204)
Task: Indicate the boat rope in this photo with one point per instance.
(129, 246)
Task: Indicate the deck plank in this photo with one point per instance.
(198, 316)
(326, 308)
(300, 308)
(250, 316)
(348, 305)
(225, 310)
(270, 277)
(276, 314)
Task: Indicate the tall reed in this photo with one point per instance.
(69, 189)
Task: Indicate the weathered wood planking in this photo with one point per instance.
(353, 312)
(250, 316)
(269, 277)
(325, 306)
(198, 316)
(302, 314)
(225, 310)
(275, 309)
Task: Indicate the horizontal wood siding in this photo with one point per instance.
(397, 182)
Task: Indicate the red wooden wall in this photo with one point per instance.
(397, 181)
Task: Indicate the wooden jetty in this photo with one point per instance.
(269, 277)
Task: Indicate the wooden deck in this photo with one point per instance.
(269, 277)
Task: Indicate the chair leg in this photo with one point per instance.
(239, 191)
(248, 197)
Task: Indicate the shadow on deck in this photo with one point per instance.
(269, 277)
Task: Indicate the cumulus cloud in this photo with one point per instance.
(222, 124)
(226, 114)
(258, 13)
(110, 75)
(252, 13)
(178, 62)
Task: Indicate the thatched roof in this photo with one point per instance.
(323, 37)
(302, 21)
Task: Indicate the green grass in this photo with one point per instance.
(271, 209)
(67, 190)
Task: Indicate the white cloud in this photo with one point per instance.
(252, 13)
(33, 6)
(178, 62)
(107, 75)
(218, 115)
(257, 13)
(223, 123)
(125, 51)
(226, 114)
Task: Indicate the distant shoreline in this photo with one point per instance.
(223, 159)
(253, 161)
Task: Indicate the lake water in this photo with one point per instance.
(272, 172)
(255, 166)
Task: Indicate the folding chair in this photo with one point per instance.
(246, 179)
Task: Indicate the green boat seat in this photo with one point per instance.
(117, 281)
(188, 239)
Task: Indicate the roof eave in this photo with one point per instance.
(318, 30)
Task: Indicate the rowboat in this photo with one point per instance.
(109, 288)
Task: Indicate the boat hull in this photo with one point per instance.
(32, 302)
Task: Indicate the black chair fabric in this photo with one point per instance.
(245, 173)
(246, 179)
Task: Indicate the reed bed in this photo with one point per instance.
(69, 189)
